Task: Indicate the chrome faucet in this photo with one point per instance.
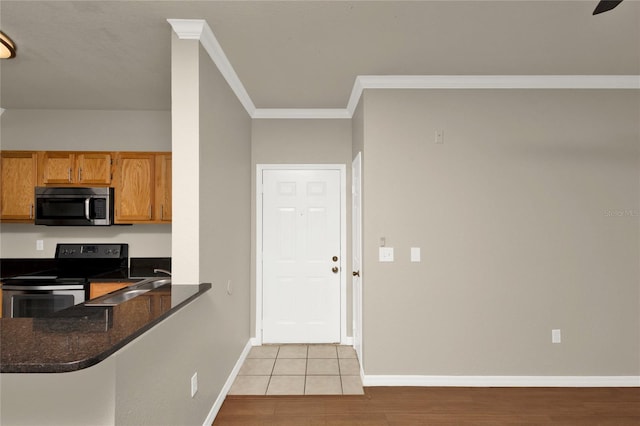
(155, 271)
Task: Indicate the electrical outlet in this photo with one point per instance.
(39, 245)
(556, 336)
(194, 384)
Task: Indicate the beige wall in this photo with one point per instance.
(78, 398)
(527, 217)
(153, 373)
(91, 131)
(300, 141)
(225, 211)
(185, 141)
(86, 130)
(220, 215)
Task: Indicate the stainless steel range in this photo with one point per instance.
(45, 292)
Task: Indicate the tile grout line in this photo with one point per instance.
(266, 391)
(340, 373)
(306, 368)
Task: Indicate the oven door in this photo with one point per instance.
(39, 300)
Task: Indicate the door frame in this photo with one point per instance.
(343, 240)
(357, 245)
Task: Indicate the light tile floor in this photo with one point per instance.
(299, 370)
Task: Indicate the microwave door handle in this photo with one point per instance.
(87, 212)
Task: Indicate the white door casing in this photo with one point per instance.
(300, 290)
(356, 262)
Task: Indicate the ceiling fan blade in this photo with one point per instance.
(606, 5)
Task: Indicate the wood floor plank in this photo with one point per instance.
(400, 406)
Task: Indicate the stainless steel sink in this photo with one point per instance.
(128, 293)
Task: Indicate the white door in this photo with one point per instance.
(356, 228)
(301, 256)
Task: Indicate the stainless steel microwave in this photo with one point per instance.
(74, 206)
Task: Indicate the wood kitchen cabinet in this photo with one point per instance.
(141, 181)
(99, 289)
(135, 183)
(163, 187)
(18, 178)
(75, 168)
(143, 187)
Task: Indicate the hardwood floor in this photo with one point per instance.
(439, 406)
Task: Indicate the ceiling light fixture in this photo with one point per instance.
(7, 47)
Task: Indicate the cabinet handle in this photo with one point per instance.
(80, 174)
(31, 212)
(162, 212)
(150, 211)
(69, 174)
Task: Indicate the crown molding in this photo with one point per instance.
(301, 113)
(187, 29)
(629, 82)
(499, 81)
(198, 29)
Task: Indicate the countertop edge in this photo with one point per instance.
(88, 362)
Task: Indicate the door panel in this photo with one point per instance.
(300, 236)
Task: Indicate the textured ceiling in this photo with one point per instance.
(300, 54)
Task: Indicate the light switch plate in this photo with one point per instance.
(556, 336)
(386, 254)
(415, 254)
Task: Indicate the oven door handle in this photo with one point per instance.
(87, 202)
(43, 287)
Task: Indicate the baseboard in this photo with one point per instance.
(502, 381)
(227, 385)
(348, 340)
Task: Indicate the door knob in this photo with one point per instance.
(335, 269)
(356, 273)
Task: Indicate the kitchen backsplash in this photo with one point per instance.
(21, 240)
(144, 266)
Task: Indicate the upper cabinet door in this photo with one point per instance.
(93, 168)
(18, 172)
(135, 187)
(163, 187)
(57, 168)
(75, 168)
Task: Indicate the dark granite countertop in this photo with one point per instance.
(82, 336)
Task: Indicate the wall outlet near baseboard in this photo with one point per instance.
(194, 384)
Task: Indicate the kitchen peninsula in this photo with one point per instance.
(82, 336)
(101, 365)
